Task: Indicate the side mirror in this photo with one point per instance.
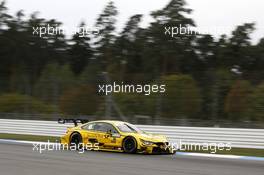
(116, 135)
(109, 132)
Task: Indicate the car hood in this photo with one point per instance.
(152, 137)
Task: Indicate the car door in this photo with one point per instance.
(90, 132)
(108, 135)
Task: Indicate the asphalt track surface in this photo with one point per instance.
(22, 160)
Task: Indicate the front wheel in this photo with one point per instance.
(130, 145)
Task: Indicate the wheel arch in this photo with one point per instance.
(136, 139)
(77, 133)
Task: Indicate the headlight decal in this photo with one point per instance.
(145, 142)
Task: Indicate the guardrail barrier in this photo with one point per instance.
(240, 138)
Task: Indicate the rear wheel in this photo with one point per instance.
(76, 140)
(130, 145)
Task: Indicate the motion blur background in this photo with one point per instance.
(210, 80)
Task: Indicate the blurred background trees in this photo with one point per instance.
(60, 74)
(182, 97)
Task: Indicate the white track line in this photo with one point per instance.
(220, 156)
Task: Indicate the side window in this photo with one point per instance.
(89, 126)
(102, 127)
(98, 126)
(109, 127)
(105, 127)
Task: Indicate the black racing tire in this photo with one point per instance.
(76, 139)
(129, 145)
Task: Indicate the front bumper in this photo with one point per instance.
(158, 148)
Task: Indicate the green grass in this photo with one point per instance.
(233, 151)
(29, 137)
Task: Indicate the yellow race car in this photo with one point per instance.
(112, 135)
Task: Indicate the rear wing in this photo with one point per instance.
(75, 121)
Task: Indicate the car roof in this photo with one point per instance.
(114, 122)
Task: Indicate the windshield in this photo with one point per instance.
(125, 127)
